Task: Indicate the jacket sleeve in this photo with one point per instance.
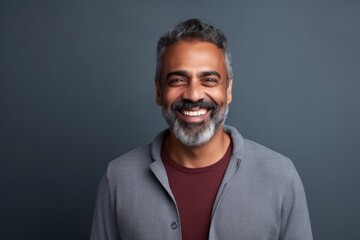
(295, 222)
(104, 226)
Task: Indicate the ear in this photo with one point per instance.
(229, 92)
(158, 92)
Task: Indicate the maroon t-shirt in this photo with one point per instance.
(195, 190)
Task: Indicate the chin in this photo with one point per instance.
(194, 134)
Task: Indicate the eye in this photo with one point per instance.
(177, 81)
(210, 81)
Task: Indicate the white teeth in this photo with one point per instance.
(194, 113)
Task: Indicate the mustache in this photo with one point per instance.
(187, 104)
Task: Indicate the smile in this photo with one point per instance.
(194, 113)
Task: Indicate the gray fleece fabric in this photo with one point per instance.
(261, 197)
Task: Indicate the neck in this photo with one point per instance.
(198, 156)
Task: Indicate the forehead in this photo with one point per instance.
(193, 55)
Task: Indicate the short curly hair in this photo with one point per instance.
(193, 29)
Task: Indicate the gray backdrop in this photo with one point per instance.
(77, 91)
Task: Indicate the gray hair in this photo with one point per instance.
(193, 29)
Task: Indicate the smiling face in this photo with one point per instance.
(193, 90)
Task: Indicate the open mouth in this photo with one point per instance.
(192, 113)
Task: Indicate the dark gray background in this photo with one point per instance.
(77, 91)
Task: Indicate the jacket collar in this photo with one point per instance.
(236, 137)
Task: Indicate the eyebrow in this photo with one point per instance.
(210, 73)
(183, 73)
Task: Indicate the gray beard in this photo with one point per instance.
(196, 134)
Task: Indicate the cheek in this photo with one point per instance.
(218, 95)
(169, 97)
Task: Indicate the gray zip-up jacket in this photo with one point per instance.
(261, 197)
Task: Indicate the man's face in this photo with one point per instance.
(193, 91)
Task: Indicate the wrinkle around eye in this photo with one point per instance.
(210, 81)
(177, 81)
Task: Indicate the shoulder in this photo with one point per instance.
(133, 157)
(136, 163)
(258, 160)
(256, 152)
(130, 162)
(252, 153)
(266, 163)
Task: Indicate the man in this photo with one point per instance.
(199, 179)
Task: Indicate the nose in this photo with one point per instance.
(193, 92)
